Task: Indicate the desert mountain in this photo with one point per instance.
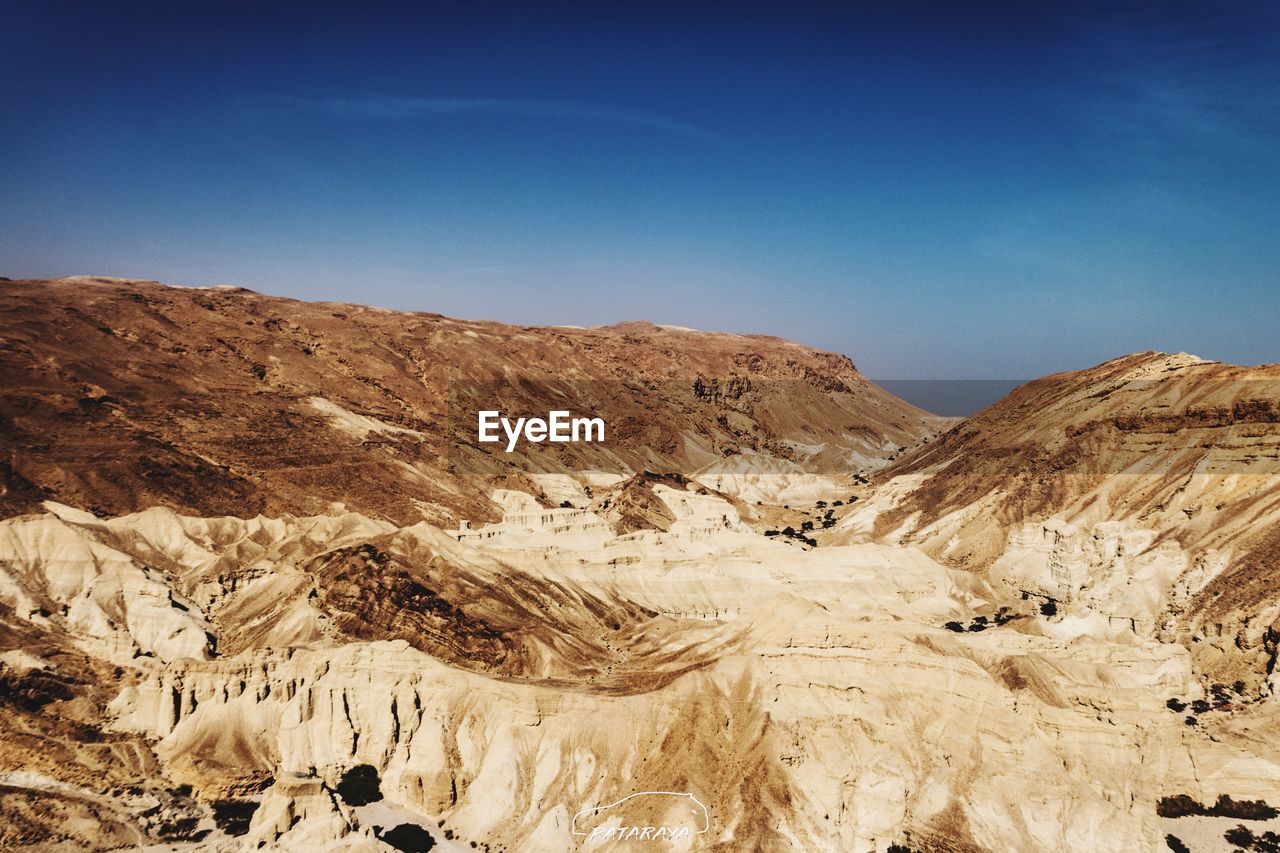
(1142, 489)
(119, 395)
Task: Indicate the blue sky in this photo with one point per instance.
(995, 191)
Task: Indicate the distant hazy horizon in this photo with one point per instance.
(952, 191)
(952, 398)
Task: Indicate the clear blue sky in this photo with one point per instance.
(998, 190)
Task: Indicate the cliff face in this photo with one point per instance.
(120, 395)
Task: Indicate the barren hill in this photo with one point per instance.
(1146, 455)
(118, 395)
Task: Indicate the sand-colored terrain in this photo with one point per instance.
(1033, 631)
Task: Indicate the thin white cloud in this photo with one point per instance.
(399, 108)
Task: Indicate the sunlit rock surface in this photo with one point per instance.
(1025, 633)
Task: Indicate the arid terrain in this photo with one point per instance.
(260, 588)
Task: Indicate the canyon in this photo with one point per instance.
(260, 588)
